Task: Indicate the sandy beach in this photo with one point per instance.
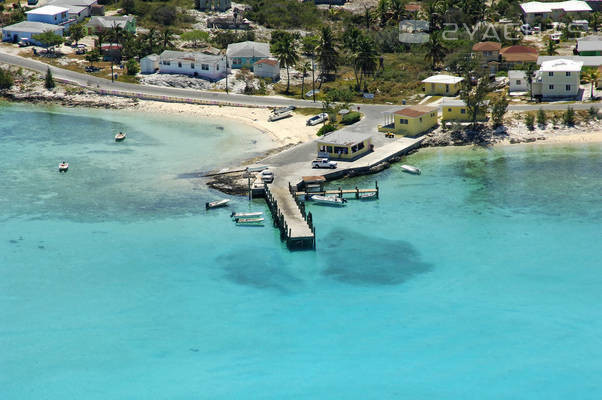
(284, 132)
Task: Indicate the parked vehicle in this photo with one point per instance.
(526, 29)
(323, 163)
(32, 2)
(267, 176)
(80, 51)
(24, 43)
(555, 36)
(317, 119)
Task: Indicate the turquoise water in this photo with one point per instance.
(479, 279)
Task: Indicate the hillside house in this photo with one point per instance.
(102, 23)
(78, 9)
(517, 82)
(442, 85)
(518, 55)
(535, 12)
(214, 5)
(199, 65)
(49, 15)
(557, 79)
(489, 55)
(245, 54)
(228, 22)
(26, 30)
(149, 64)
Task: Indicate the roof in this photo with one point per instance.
(515, 74)
(442, 78)
(32, 27)
(76, 9)
(415, 111)
(65, 3)
(189, 56)
(47, 10)
(588, 61)
(519, 49)
(345, 138)
(539, 7)
(270, 61)
(109, 22)
(561, 65)
(519, 54)
(313, 179)
(589, 43)
(152, 57)
(248, 49)
(457, 103)
(487, 46)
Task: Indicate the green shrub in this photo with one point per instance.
(351, 118)
(132, 67)
(569, 117)
(542, 119)
(49, 80)
(530, 121)
(6, 79)
(326, 129)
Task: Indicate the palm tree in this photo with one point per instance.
(101, 35)
(304, 67)
(285, 50)
(365, 60)
(435, 52)
(151, 39)
(327, 53)
(592, 77)
(166, 38)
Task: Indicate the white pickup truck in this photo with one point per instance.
(323, 163)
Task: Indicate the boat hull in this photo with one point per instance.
(217, 204)
(329, 201)
(411, 169)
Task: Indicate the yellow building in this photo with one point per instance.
(410, 121)
(442, 85)
(456, 110)
(344, 145)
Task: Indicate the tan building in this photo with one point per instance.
(410, 121)
(518, 55)
(489, 54)
(442, 85)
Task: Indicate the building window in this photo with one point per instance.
(550, 73)
(518, 81)
(205, 67)
(432, 86)
(463, 111)
(236, 61)
(420, 119)
(568, 73)
(360, 146)
(449, 110)
(191, 65)
(217, 67)
(551, 87)
(403, 121)
(568, 88)
(179, 65)
(446, 88)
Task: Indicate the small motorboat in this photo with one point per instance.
(236, 215)
(120, 137)
(217, 203)
(329, 200)
(249, 221)
(275, 117)
(411, 169)
(368, 196)
(63, 166)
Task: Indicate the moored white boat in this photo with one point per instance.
(217, 203)
(236, 215)
(249, 221)
(120, 137)
(411, 169)
(63, 166)
(368, 196)
(329, 200)
(282, 115)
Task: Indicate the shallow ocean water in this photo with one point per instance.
(481, 278)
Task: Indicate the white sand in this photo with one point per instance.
(286, 131)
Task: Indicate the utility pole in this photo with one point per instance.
(249, 184)
(313, 80)
(226, 74)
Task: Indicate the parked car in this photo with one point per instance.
(80, 51)
(323, 163)
(555, 36)
(79, 46)
(267, 176)
(92, 69)
(24, 43)
(316, 119)
(526, 29)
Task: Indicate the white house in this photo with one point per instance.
(558, 78)
(49, 15)
(537, 11)
(267, 68)
(26, 30)
(149, 64)
(199, 65)
(78, 9)
(517, 81)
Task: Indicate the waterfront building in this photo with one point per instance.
(517, 81)
(557, 79)
(518, 55)
(410, 121)
(489, 55)
(267, 68)
(342, 145)
(456, 110)
(26, 30)
(245, 54)
(149, 64)
(442, 85)
(49, 15)
(200, 65)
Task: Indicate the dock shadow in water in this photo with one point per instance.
(359, 259)
(258, 268)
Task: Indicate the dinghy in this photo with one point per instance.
(329, 200)
(63, 166)
(249, 221)
(217, 203)
(411, 169)
(368, 196)
(120, 137)
(236, 215)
